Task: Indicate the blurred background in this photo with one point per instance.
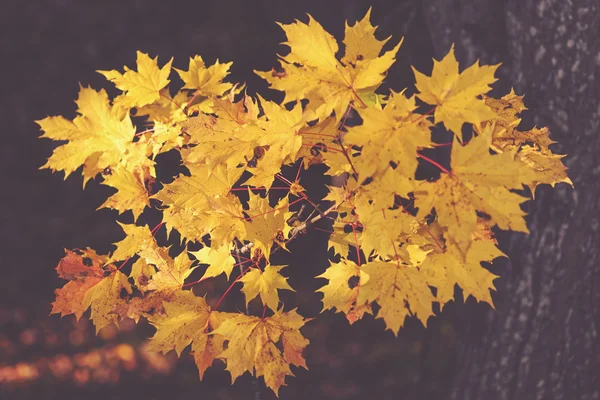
(541, 341)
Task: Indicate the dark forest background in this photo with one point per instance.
(542, 340)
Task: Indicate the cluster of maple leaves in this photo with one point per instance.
(401, 243)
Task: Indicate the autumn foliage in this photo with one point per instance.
(400, 243)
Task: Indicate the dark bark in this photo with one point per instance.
(542, 340)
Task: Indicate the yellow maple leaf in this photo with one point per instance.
(141, 87)
(312, 71)
(385, 186)
(341, 239)
(265, 222)
(389, 135)
(188, 320)
(478, 181)
(202, 203)
(137, 238)
(131, 192)
(105, 297)
(448, 268)
(161, 138)
(97, 138)
(542, 168)
(207, 348)
(320, 146)
(456, 95)
(346, 278)
(281, 141)
(206, 81)
(171, 272)
(265, 283)
(186, 317)
(400, 290)
(360, 41)
(167, 109)
(541, 165)
(383, 229)
(509, 138)
(225, 221)
(219, 260)
(194, 191)
(185, 221)
(253, 346)
(507, 110)
(338, 195)
(228, 138)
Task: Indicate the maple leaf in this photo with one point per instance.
(360, 41)
(342, 238)
(219, 260)
(97, 138)
(281, 141)
(131, 191)
(541, 165)
(542, 168)
(162, 138)
(311, 70)
(205, 81)
(225, 221)
(382, 229)
(201, 204)
(143, 86)
(400, 290)
(207, 348)
(385, 186)
(167, 109)
(480, 182)
(389, 135)
(105, 297)
(227, 138)
(93, 283)
(339, 195)
(188, 320)
(456, 95)
(448, 268)
(507, 110)
(320, 146)
(262, 228)
(171, 272)
(83, 272)
(346, 278)
(253, 346)
(137, 238)
(194, 191)
(265, 284)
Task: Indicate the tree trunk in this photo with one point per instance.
(542, 340)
